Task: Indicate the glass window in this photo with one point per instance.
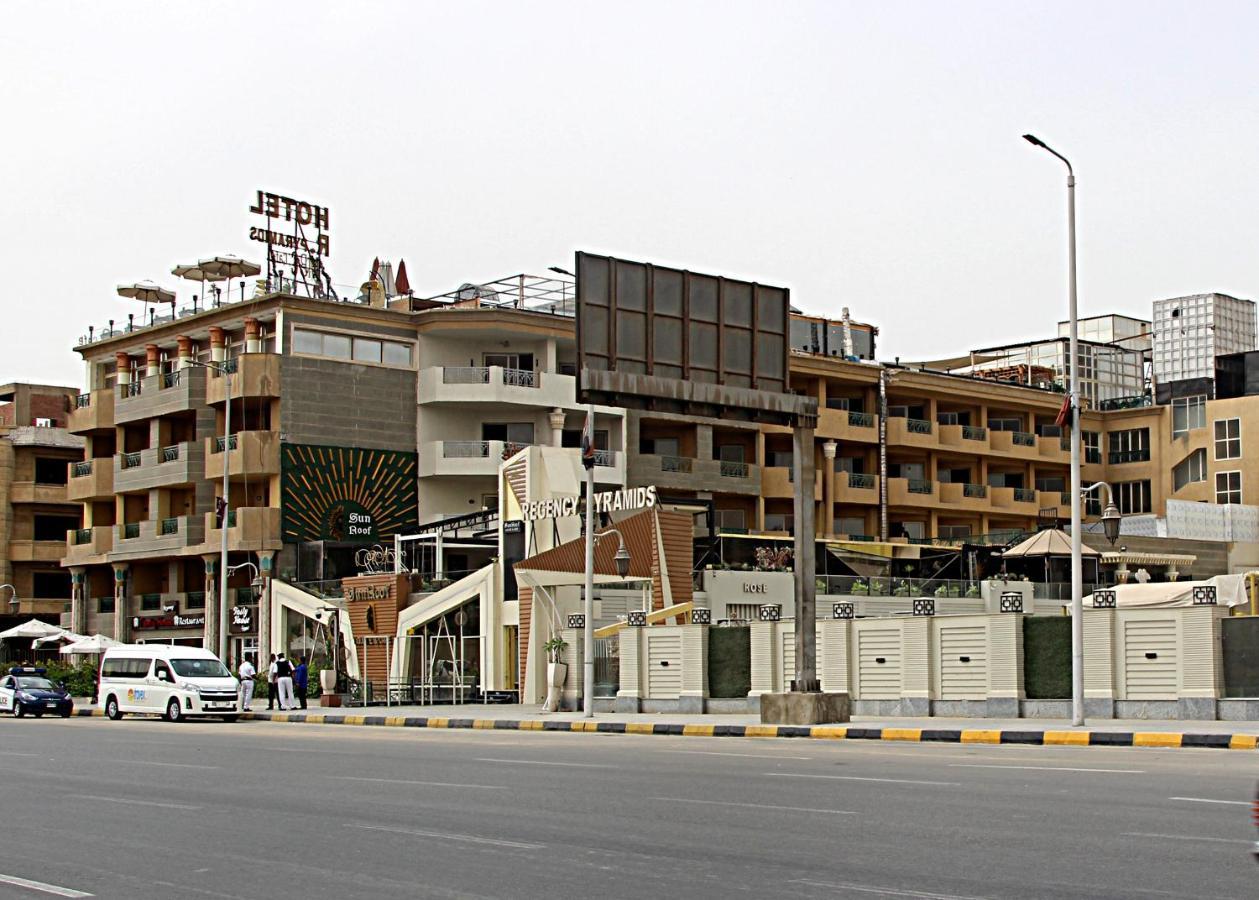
(336, 346)
(1228, 438)
(1191, 469)
(1228, 487)
(307, 342)
(1188, 413)
(1133, 497)
(395, 354)
(366, 350)
(1092, 447)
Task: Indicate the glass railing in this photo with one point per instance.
(863, 586)
(82, 536)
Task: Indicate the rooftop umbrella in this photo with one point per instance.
(97, 643)
(196, 272)
(68, 636)
(225, 268)
(148, 292)
(32, 629)
(402, 284)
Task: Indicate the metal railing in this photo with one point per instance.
(680, 464)
(81, 536)
(733, 469)
(79, 469)
(883, 586)
(168, 526)
(83, 401)
(171, 453)
(130, 460)
(466, 449)
(858, 480)
(220, 442)
(130, 389)
(170, 379)
(605, 458)
(520, 377)
(1024, 495)
(230, 365)
(1023, 439)
(130, 530)
(151, 602)
(194, 600)
(919, 486)
(860, 419)
(974, 433)
(1129, 456)
(918, 426)
(326, 588)
(465, 375)
(978, 491)
(1133, 402)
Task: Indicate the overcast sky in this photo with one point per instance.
(863, 154)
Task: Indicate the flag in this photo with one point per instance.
(1065, 413)
(588, 441)
(400, 283)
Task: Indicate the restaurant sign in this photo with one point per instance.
(167, 621)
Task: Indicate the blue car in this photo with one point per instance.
(27, 690)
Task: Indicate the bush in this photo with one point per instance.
(80, 679)
(1047, 657)
(729, 662)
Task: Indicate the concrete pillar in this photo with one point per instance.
(122, 608)
(764, 660)
(575, 657)
(918, 663)
(834, 636)
(694, 668)
(1099, 663)
(1005, 664)
(266, 627)
(805, 565)
(828, 487)
(185, 351)
(211, 587)
(151, 364)
(78, 599)
(122, 363)
(8, 469)
(629, 696)
(556, 419)
(1201, 674)
(252, 342)
(216, 344)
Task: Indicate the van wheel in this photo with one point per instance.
(173, 712)
(18, 709)
(111, 709)
(229, 719)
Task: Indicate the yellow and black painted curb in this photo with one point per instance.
(1048, 738)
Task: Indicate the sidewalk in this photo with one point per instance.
(1098, 732)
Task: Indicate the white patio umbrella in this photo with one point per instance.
(67, 636)
(32, 629)
(97, 643)
(220, 268)
(148, 292)
(196, 272)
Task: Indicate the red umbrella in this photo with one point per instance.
(400, 283)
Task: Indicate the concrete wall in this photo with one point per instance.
(347, 404)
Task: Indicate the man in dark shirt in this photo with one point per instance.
(299, 681)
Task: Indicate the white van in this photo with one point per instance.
(166, 680)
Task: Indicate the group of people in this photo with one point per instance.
(286, 683)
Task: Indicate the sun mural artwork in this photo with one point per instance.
(346, 495)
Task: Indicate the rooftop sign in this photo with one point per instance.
(605, 502)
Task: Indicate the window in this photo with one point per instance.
(1092, 447)
(347, 347)
(1005, 424)
(730, 453)
(43, 422)
(125, 668)
(52, 528)
(1129, 445)
(336, 346)
(307, 342)
(850, 525)
(163, 672)
(1228, 438)
(105, 604)
(731, 520)
(1191, 469)
(509, 360)
(1132, 497)
(1228, 487)
(366, 350)
(854, 464)
(395, 354)
(659, 446)
(50, 471)
(510, 432)
(51, 585)
(571, 437)
(1188, 413)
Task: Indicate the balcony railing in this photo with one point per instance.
(171, 453)
(860, 419)
(918, 426)
(465, 449)
(733, 469)
(130, 389)
(83, 401)
(168, 526)
(858, 480)
(130, 530)
(675, 464)
(150, 602)
(466, 375)
(130, 460)
(605, 458)
(1024, 495)
(81, 536)
(1023, 439)
(520, 377)
(170, 379)
(780, 522)
(974, 433)
(1129, 456)
(79, 469)
(220, 442)
(194, 600)
(918, 486)
(231, 365)
(978, 491)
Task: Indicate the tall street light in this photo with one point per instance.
(1073, 372)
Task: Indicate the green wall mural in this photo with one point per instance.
(345, 494)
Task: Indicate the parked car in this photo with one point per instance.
(27, 690)
(166, 680)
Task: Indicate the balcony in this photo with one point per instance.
(91, 479)
(963, 496)
(779, 481)
(159, 467)
(251, 453)
(248, 528)
(484, 457)
(255, 375)
(1020, 444)
(1054, 448)
(1019, 501)
(967, 438)
(32, 492)
(160, 395)
(912, 492)
(846, 425)
(88, 545)
(157, 536)
(36, 551)
(93, 412)
(902, 432)
(851, 487)
(689, 474)
(496, 384)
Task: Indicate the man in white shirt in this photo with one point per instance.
(247, 673)
(284, 682)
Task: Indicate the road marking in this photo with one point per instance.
(744, 755)
(42, 886)
(452, 784)
(1186, 837)
(133, 802)
(450, 836)
(886, 891)
(543, 762)
(140, 762)
(833, 812)
(15, 753)
(1209, 800)
(860, 778)
(1047, 768)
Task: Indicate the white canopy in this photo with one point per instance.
(1050, 542)
(68, 636)
(32, 629)
(1230, 590)
(97, 643)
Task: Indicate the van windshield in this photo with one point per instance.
(200, 668)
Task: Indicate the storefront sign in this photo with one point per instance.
(755, 587)
(242, 619)
(168, 622)
(285, 209)
(375, 592)
(604, 502)
(346, 495)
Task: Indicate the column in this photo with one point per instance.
(1099, 663)
(828, 487)
(122, 609)
(252, 343)
(122, 363)
(185, 351)
(575, 657)
(628, 698)
(216, 344)
(151, 365)
(805, 565)
(917, 664)
(764, 661)
(211, 641)
(78, 599)
(266, 566)
(1005, 665)
(694, 668)
(556, 419)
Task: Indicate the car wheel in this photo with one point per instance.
(173, 712)
(18, 710)
(65, 715)
(230, 719)
(111, 709)
(38, 713)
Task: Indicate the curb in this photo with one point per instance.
(1157, 739)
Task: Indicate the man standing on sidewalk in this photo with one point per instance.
(247, 673)
(271, 687)
(300, 680)
(284, 682)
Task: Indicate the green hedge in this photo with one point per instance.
(1047, 657)
(729, 662)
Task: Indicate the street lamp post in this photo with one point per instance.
(13, 601)
(1073, 372)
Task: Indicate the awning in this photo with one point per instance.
(1050, 542)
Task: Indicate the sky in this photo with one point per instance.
(865, 155)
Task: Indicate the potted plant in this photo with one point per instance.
(556, 671)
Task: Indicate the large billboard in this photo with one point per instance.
(346, 495)
(657, 337)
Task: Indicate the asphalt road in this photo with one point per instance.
(139, 809)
